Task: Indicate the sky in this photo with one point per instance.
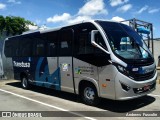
(54, 13)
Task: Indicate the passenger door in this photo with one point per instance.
(65, 60)
(39, 61)
(53, 80)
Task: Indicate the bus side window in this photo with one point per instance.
(100, 41)
(15, 51)
(51, 49)
(8, 49)
(11, 47)
(25, 49)
(40, 49)
(85, 51)
(38, 46)
(65, 45)
(82, 43)
(52, 44)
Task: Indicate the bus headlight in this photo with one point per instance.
(122, 69)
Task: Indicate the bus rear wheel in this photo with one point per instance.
(25, 83)
(89, 95)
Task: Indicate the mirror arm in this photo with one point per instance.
(93, 32)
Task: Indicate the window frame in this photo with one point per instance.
(70, 45)
(51, 36)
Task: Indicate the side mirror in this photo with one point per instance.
(95, 33)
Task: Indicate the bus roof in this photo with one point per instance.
(76, 23)
(58, 28)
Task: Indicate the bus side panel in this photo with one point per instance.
(54, 79)
(107, 81)
(85, 71)
(23, 65)
(44, 75)
(37, 70)
(65, 65)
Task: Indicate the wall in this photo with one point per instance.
(156, 50)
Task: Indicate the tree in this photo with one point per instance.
(13, 25)
(2, 24)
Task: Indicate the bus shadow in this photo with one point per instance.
(47, 91)
(125, 106)
(105, 104)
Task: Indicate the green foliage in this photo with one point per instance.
(2, 24)
(13, 25)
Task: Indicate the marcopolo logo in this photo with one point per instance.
(21, 64)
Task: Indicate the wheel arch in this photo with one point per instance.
(23, 74)
(88, 81)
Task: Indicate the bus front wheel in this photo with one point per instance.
(25, 83)
(89, 95)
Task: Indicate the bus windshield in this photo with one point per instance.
(124, 41)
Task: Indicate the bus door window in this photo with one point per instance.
(52, 44)
(65, 45)
(65, 60)
(83, 40)
(85, 51)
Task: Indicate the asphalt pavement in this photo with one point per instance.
(41, 102)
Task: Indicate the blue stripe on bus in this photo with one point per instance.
(45, 77)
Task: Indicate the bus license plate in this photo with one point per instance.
(147, 87)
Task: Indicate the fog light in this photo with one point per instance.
(125, 87)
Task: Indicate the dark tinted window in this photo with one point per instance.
(39, 46)
(29, 45)
(8, 49)
(84, 50)
(65, 44)
(83, 39)
(52, 43)
(11, 47)
(25, 46)
(15, 47)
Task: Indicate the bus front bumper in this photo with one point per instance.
(127, 88)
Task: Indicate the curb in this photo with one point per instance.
(158, 68)
(158, 81)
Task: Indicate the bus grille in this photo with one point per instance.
(143, 77)
(139, 63)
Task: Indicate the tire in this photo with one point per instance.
(89, 95)
(24, 82)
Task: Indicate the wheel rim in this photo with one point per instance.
(24, 82)
(89, 93)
